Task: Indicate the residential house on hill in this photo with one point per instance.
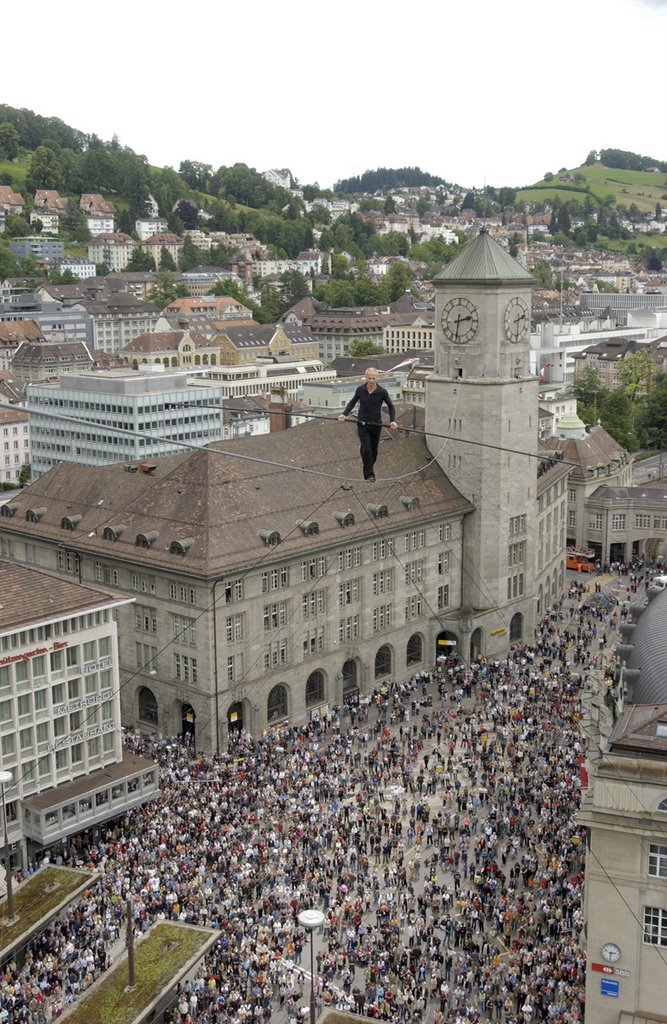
(99, 213)
(607, 357)
(11, 202)
(114, 248)
(51, 199)
(335, 329)
(163, 240)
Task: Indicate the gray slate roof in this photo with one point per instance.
(649, 651)
(484, 260)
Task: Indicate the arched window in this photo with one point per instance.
(314, 688)
(383, 662)
(276, 705)
(662, 806)
(147, 706)
(413, 652)
(516, 627)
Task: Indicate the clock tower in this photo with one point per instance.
(481, 427)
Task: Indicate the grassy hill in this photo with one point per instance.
(603, 184)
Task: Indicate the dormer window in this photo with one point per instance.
(308, 526)
(113, 532)
(345, 518)
(412, 504)
(181, 547)
(33, 515)
(69, 522)
(146, 540)
(270, 537)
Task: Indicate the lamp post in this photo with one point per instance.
(310, 920)
(7, 777)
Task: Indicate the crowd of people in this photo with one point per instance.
(433, 822)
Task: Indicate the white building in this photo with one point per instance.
(99, 223)
(150, 226)
(78, 266)
(129, 414)
(60, 727)
(261, 378)
(15, 454)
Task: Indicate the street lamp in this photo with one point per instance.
(310, 920)
(7, 777)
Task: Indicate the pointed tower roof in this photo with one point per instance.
(484, 260)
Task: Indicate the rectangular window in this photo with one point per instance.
(145, 618)
(313, 568)
(660, 522)
(414, 539)
(572, 517)
(643, 521)
(185, 668)
(275, 579)
(276, 654)
(234, 628)
(382, 617)
(106, 574)
(382, 549)
(655, 926)
(348, 629)
(413, 608)
(313, 604)
(516, 553)
(68, 561)
(515, 585)
(618, 521)
(595, 521)
(233, 591)
(274, 615)
(443, 596)
(657, 861)
(443, 563)
(313, 641)
(414, 572)
(445, 531)
(184, 629)
(383, 582)
(350, 558)
(234, 668)
(571, 494)
(348, 592)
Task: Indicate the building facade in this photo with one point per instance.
(97, 418)
(15, 456)
(60, 726)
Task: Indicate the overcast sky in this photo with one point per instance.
(477, 92)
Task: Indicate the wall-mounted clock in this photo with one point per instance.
(460, 321)
(611, 952)
(517, 320)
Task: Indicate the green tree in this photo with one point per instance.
(16, 227)
(542, 273)
(163, 291)
(591, 158)
(167, 261)
(364, 347)
(44, 170)
(389, 205)
(293, 288)
(616, 416)
(9, 141)
(190, 255)
(8, 264)
(140, 260)
(588, 391)
(635, 375)
(653, 416)
(399, 279)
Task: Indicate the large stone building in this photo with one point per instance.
(272, 583)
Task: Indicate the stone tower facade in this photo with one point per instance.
(481, 425)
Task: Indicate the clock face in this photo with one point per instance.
(517, 320)
(611, 952)
(460, 321)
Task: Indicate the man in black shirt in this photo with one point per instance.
(371, 396)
